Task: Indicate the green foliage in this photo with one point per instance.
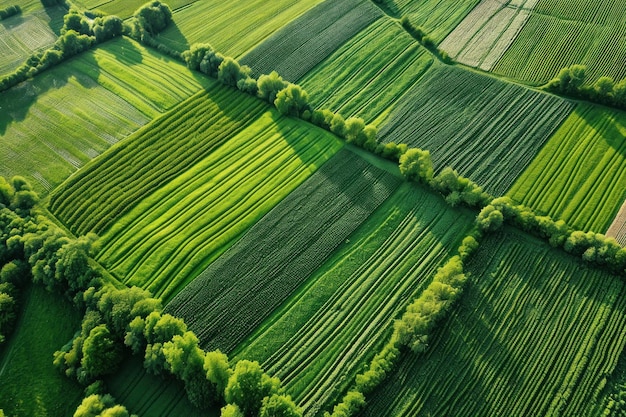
(416, 165)
(195, 54)
(279, 406)
(458, 189)
(352, 403)
(100, 406)
(292, 101)
(9, 11)
(107, 27)
(569, 81)
(153, 17)
(270, 85)
(217, 369)
(489, 219)
(230, 72)
(231, 410)
(247, 387)
(101, 354)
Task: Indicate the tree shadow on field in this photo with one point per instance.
(173, 37)
(55, 16)
(614, 132)
(16, 102)
(126, 50)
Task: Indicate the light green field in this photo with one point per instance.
(579, 175)
(369, 73)
(217, 22)
(33, 30)
(25, 5)
(173, 234)
(52, 125)
(535, 333)
(31, 385)
(593, 32)
(125, 8)
(324, 334)
(437, 17)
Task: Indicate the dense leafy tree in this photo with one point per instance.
(108, 27)
(270, 85)
(100, 406)
(153, 17)
(217, 369)
(195, 54)
(101, 354)
(248, 385)
(230, 72)
(352, 402)
(231, 410)
(415, 164)
(489, 219)
(292, 100)
(279, 406)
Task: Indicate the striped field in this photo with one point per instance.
(171, 235)
(324, 335)
(486, 129)
(580, 174)
(536, 333)
(52, 125)
(226, 303)
(369, 73)
(617, 229)
(593, 32)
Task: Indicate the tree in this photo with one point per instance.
(415, 164)
(279, 406)
(211, 62)
(619, 93)
(153, 17)
(101, 352)
(231, 410)
(7, 314)
(353, 127)
(6, 192)
(569, 80)
(292, 100)
(217, 369)
(489, 219)
(196, 53)
(230, 72)
(108, 27)
(270, 85)
(248, 385)
(603, 88)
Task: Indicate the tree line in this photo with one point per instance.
(571, 81)
(10, 11)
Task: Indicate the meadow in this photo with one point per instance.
(579, 175)
(535, 333)
(486, 129)
(320, 339)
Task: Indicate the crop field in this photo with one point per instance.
(618, 226)
(99, 194)
(472, 122)
(579, 175)
(252, 21)
(26, 33)
(592, 32)
(300, 45)
(487, 32)
(125, 8)
(53, 125)
(437, 17)
(369, 73)
(281, 251)
(321, 339)
(25, 5)
(174, 233)
(31, 385)
(536, 333)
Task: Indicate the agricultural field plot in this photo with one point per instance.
(227, 301)
(101, 192)
(536, 332)
(31, 385)
(25, 33)
(486, 129)
(593, 32)
(125, 8)
(25, 5)
(331, 328)
(54, 124)
(174, 233)
(487, 31)
(617, 229)
(579, 175)
(300, 45)
(369, 73)
(252, 21)
(437, 17)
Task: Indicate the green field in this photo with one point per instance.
(486, 129)
(158, 153)
(27, 32)
(252, 21)
(591, 31)
(322, 337)
(125, 8)
(536, 333)
(369, 73)
(281, 251)
(579, 175)
(173, 234)
(437, 17)
(31, 385)
(54, 124)
(300, 45)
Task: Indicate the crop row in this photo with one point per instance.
(593, 35)
(300, 45)
(437, 17)
(103, 190)
(369, 73)
(535, 333)
(227, 301)
(486, 129)
(618, 226)
(230, 27)
(487, 32)
(318, 344)
(174, 233)
(579, 175)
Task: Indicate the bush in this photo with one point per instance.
(153, 17)
(9, 11)
(270, 85)
(195, 54)
(292, 101)
(416, 165)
